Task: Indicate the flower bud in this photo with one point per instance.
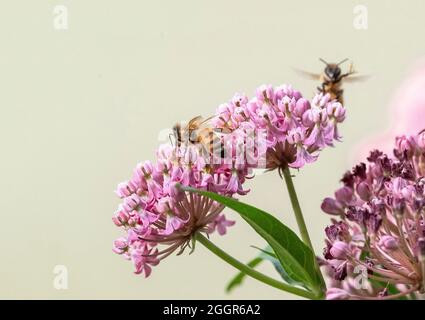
(301, 106)
(339, 250)
(176, 192)
(363, 190)
(123, 216)
(331, 206)
(344, 195)
(295, 136)
(122, 190)
(265, 92)
(406, 144)
(163, 205)
(120, 245)
(336, 110)
(239, 114)
(239, 99)
(130, 203)
(408, 192)
(336, 294)
(144, 169)
(116, 221)
(388, 243)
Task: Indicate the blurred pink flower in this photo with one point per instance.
(405, 113)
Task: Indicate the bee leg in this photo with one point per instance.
(324, 84)
(349, 73)
(171, 141)
(339, 96)
(222, 151)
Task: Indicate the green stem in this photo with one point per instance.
(252, 272)
(300, 218)
(296, 207)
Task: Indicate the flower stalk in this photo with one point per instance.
(300, 218)
(296, 207)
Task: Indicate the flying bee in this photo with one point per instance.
(199, 132)
(332, 77)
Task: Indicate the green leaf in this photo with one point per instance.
(295, 257)
(237, 280)
(268, 254)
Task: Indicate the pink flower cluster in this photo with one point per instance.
(159, 218)
(296, 129)
(376, 245)
(156, 212)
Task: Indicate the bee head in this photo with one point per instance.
(332, 70)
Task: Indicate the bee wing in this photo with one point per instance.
(195, 122)
(357, 78)
(306, 74)
(222, 130)
(207, 123)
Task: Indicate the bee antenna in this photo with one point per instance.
(342, 61)
(323, 61)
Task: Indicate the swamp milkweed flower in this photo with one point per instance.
(296, 129)
(275, 129)
(379, 225)
(159, 218)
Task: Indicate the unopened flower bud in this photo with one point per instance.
(144, 169)
(120, 245)
(388, 243)
(363, 190)
(163, 205)
(265, 93)
(331, 206)
(176, 191)
(336, 110)
(336, 294)
(344, 195)
(120, 218)
(239, 114)
(406, 144)
(239, 99)
(301, 106)
(122, 190)
(116, 221)
(339, 250)
(295, 136)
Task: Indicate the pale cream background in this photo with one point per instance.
(80, 108)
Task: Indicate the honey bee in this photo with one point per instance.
(332, 77)
(199, 133)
